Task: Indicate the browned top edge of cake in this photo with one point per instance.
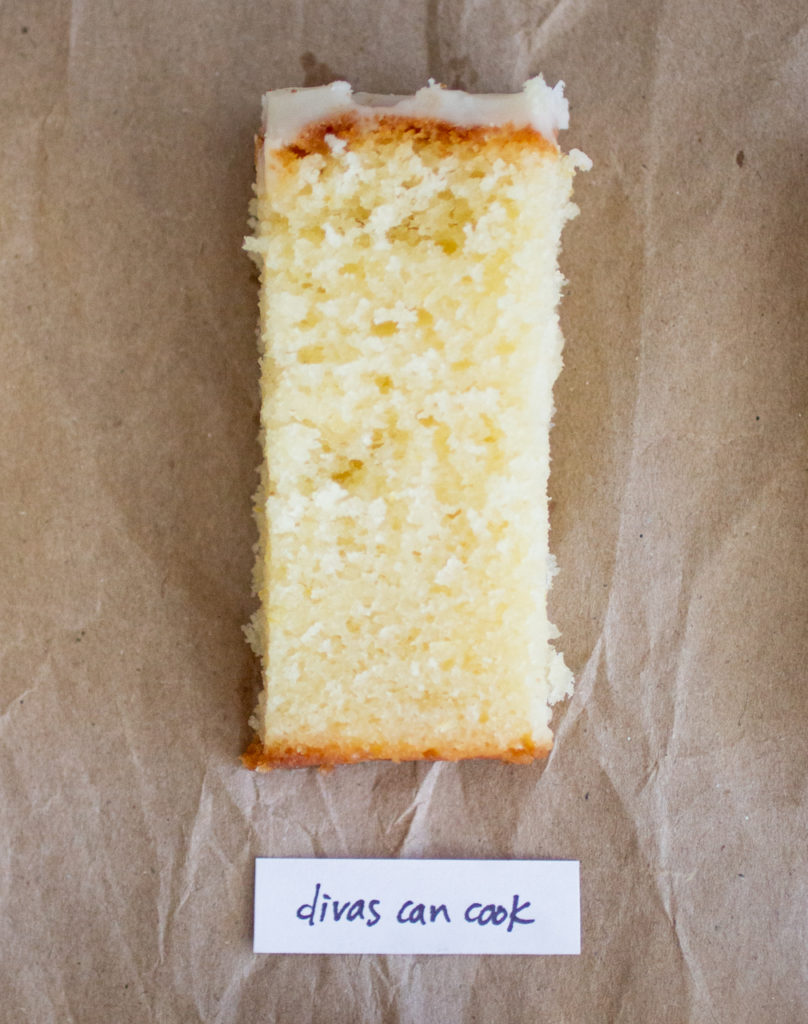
(258, 757)
(352, 128)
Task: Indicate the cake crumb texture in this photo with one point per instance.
(409, 345)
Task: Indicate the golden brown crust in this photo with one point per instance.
(427, 131)
(258, 757)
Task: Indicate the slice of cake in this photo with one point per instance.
(409, 345)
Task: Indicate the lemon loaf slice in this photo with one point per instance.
(409, 345)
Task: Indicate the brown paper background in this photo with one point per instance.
(128, 400)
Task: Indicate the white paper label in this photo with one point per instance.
(320, 905)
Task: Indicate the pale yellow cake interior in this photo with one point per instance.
(409, 347)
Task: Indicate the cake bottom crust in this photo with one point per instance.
(262, 758)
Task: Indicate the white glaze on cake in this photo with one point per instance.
(288, 111)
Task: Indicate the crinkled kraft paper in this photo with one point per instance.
(128, 404)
